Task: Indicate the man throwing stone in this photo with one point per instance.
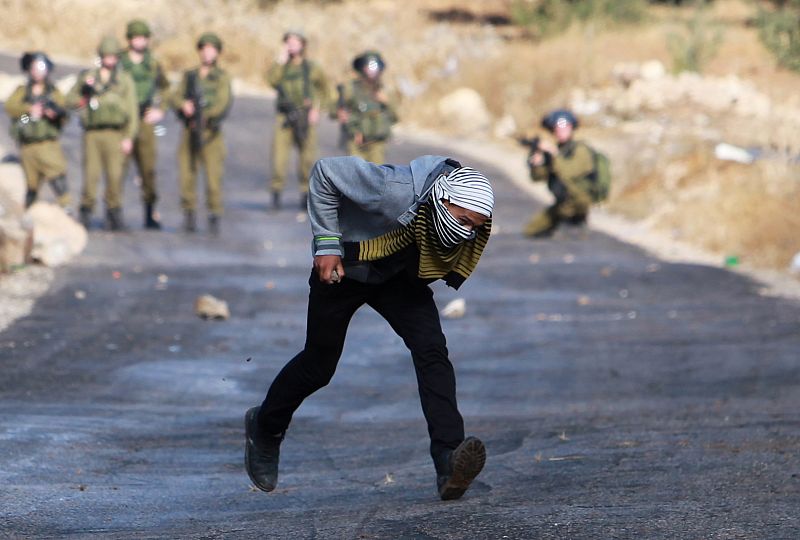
(382, 233)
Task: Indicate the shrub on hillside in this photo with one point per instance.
(780, 31)
(696, 45)
(544, 18)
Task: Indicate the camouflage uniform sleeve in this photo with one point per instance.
(162, 88)
(321, 91)
(15, 105)
(391, 106)
(131, 105)
(74, 99)
(61, 101)
(174, 99)
(539, 173)
(275, 75)
(223, 101)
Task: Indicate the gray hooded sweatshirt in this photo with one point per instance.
(351, 199)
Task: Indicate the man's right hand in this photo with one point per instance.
(326, 265)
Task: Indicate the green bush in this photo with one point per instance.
(780, 32)
(692, 48)
(544, 18)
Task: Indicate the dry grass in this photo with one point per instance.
(674, 183)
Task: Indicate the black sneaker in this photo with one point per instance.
(213, 224)
(463, 465)
(189, 221)
(114, 220)
(86, 217)
(150, 221)
(261, 453)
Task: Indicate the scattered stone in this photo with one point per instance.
(16, 234)
(794, 267)
(506, 127)
(455, 309)
(652, 70)
(12, 181)
(57, 237)
(464, 111)
(209, 307)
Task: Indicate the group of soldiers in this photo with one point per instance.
(122, 100)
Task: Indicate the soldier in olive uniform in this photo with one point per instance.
(151, 84)
(202, 101)
(302, 92)
(568, 168)
(109, 113)
(364, 110)
(37, 113)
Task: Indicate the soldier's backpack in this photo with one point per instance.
(601, 176)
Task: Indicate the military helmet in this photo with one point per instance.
(29, 58)
(367, 57)
(552, 118)
(209, 38)
(109, 45)
(297, 33)
(137, 27)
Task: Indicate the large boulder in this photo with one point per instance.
(12, 181)
(57, 237)
(464, 111)
(16, 234)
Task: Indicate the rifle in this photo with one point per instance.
(195, 123)
(297, 117)
(554, 184)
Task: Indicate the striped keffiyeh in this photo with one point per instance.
(464, 187)
(447, 249)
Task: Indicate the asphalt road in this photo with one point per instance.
(619, 396)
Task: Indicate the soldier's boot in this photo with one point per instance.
(150, 221)
(114, 219)
(30, 197)
(189, 221)
(456, 470)
(276, 200)
(261, 453)
(213, 224)
(303, 201)
(59, 185)
(85, 217)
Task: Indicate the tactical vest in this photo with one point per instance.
(210, 90)
(145, 77)
(26, 130)
(368, 116)
(106, 107)
(295, 86)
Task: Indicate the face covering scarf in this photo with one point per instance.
(448, 250)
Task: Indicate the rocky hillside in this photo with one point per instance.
(468, 68)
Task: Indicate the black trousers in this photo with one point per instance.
(406, 302)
